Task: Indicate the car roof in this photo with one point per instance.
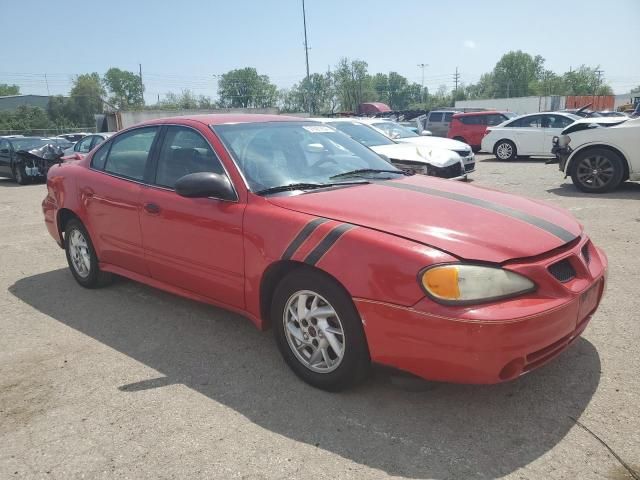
(222, 118)
(484, 112)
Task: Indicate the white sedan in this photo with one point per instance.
(527, 135)
(600, 153)
(402, 134)
(437, 162)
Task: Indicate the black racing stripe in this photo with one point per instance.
(305, 233)
(327, 242)
(552, 228)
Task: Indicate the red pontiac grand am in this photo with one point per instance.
(348, 259)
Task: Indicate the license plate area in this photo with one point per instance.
(589, 300)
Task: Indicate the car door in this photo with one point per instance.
(434, 123)
(446, 123)
(529, 135)
(195, 244)
(111, 195)
(5, 158)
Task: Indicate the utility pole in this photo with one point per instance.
(456, 78)
(141, 85)
(599, 73)
(422, 66)
(306, 53)
(47, 83)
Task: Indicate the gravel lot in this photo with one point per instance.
(130, 382)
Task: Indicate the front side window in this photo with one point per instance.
(361, 133)
(558, 121)
(184, 151)
(275, 154)
(84, 145)
(448, 116)
(129, 153)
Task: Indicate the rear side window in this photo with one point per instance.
(184, 151)
(129, 153)
(435, 117)
(448, 116)
(471, 120)
(495, 119)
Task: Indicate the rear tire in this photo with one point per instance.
(81, 256)
(597, 170)
(327, 350)
(505, 150)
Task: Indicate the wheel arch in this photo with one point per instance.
(63, 217)
(568, 170)
(274, 274)
(504, 139)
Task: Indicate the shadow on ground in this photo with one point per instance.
(626, 191)
(414, 429)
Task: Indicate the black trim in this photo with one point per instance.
(299, 239)
(545, 225)
(327, 242)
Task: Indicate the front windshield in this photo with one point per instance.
(394, 130)
(29, 143)
(273, 154)
(361, 133)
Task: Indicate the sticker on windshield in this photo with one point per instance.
(318, 128)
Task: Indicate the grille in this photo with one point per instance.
(585, 253)
(563, 271)
(469, 166)
(451, 171)
(463, 153)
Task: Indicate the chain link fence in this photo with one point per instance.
(47, 132)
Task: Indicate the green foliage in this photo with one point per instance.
(6, 89)
(125, 88)
(244, 88)
(353, 84)
(186, 100)
(394, 90)
(25, 119)
(316, 95)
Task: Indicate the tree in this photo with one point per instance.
(125, 87)
(394, 90)
(585, 81)
(516, 73)
(25, 119)
(244, 88)
(186, 100)
(353, 84)
(86, 98)
(6, 89)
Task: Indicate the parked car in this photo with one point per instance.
(527, 135)
(401, 134)
(87, 144)
(13, 165)
(438, 121)
(470, 127)
(74, 137)
(611, 113)
(347, 259)
(599, 153)
(437, 162)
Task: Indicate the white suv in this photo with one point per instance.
(599, 153)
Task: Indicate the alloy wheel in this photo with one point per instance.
(79, 253)
(314, 331)
(595, 172)
(504, 151)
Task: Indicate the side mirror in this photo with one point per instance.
(426, 133)
(205, 184)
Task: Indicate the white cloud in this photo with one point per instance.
(469, 44)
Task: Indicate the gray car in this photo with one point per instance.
(88, 143)
(438, 121)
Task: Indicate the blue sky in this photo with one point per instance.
(183, 44)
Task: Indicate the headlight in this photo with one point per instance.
(457, 283)
(564, 140)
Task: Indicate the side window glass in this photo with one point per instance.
(448, 116)
(129, 153)
(84, 145)
(184, 151)
(435, 117)
(4, 147)
(532, 122)
(493, 120)
(99, 158)
(97, 140)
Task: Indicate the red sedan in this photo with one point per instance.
(348, 259)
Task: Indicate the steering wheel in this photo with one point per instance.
(324, 160)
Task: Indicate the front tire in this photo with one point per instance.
(318, 331)
(20, 174)
(597, 170)
(505, 150)
(81, 256)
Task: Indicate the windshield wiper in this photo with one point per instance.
(360, 171)
(305, 186)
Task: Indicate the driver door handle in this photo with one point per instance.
(152, 208)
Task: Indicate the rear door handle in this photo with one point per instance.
(152, 208)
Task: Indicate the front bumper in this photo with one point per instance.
(562, 154)
(489, 343)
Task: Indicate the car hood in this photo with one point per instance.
(438, 157)
(594, 122)
(469, 222)
(436, 142)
